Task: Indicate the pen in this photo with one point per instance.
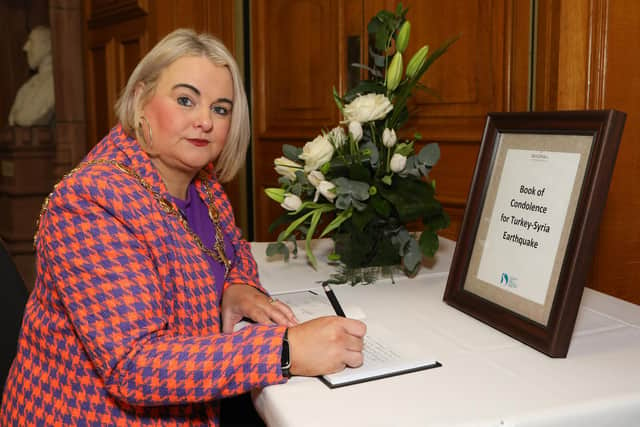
(332, 299)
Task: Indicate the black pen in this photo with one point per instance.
(332, 299)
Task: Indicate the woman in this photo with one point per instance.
(142, 274)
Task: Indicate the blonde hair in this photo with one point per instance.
(178, 44)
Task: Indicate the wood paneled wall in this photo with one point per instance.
(120, 32)
(584, 61)
(581, 55)
(294, 70)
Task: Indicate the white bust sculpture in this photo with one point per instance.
(35, 100)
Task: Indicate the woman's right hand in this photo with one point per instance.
(326, 345)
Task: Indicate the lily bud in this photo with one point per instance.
(389, 137)
(402, 40)
(276, 194)
(417, 61)
(328, 190)
(397, 163)
(315, 177)
(355, 130)
(394, 72)
(291, 202)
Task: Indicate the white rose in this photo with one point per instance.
(327, 189)
(367, 108)
(337, 136)
(316, 153)
(389, 137)
(291, 202)
(397, 163)
(355, 130)
(286, 167)
(315, 177)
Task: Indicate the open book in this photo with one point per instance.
(382, 356)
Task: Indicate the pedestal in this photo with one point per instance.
(26, 178)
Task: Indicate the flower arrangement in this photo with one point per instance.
(360, 183)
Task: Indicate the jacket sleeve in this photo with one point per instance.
(110, 286)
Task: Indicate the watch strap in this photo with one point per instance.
(285, 358)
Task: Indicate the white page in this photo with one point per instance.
(382, 355)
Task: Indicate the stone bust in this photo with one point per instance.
(34, 104)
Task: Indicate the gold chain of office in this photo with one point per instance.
(217, 253)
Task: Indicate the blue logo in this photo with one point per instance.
(508, 281)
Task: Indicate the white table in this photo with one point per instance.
(487, 378)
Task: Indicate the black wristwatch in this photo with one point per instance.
(285, 358)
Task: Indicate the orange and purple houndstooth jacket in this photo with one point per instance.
(123, 326)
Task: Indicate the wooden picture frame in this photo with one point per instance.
(531, 222)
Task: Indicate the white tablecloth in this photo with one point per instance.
(487, 378)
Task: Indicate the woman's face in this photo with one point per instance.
(189, 115)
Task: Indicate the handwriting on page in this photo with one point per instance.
(376, 352)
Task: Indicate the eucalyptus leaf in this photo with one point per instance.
(278, 248)
(291, 152)
(429, 154)
(400, 240)
(374, 154)
(284, 181)
(413, 257)
(343, 201)
(357, 189)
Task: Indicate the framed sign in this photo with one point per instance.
(531, 222)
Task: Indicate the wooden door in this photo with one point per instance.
(295, 67)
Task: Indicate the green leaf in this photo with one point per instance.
(412, 198)
(338, 101)
(437, 220)
(428, 243)
(293, 226)
(337, 221)
(365, 86)
(361, 219)
(313, 205)
(381, 206)
(358, 172)
(307, 242)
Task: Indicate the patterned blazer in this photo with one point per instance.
(123, 326)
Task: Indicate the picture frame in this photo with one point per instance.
(531, 222)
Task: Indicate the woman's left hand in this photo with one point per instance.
(240, 301)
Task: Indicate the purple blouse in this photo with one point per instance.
(196, 212)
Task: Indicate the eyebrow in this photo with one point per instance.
(197, 92)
